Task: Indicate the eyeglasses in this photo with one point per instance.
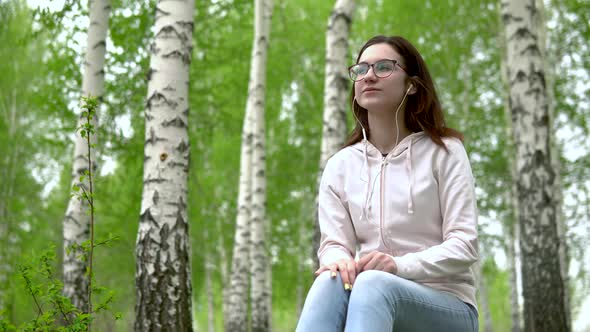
(382, 68)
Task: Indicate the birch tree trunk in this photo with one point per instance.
(260, 265)
(163, 271)
(511, 226)
(335, 93)
(543, 286)
(250, 260)
(236, 307)
(76, 224)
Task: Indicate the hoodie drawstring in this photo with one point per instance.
(410, 178)
(365, 211)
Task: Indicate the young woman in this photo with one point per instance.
(397, 208)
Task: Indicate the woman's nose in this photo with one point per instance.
(370, 75)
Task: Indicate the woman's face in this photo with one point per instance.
(377, 94)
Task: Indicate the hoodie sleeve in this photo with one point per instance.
(458, 251)
(338, 239)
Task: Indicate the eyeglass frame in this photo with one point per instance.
(371, 66)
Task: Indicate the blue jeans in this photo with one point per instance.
(380, 301)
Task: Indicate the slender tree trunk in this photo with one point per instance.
(511, 225)
(259, 262)
(335, 93)
(76, 224)
(236, 306)
(163, 271)
(543, 287)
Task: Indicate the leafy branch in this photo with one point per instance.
(37, 272)
(87, 130)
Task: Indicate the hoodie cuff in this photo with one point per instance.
(332, 255)
(407, 266)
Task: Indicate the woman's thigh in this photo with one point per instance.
(325, 306)
(382, 301)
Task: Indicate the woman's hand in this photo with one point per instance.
(376, 260)
(347, 268)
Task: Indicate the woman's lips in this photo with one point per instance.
(370, 90)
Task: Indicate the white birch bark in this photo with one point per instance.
(236, 297)
(259, 261)
(76, 224)
(513, 280)
(236, 307)
(163, 271)
(335, 92)
(512, 202)
(543, 287)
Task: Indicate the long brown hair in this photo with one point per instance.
(422, 111)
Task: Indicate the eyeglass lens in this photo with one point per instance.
(382, 69)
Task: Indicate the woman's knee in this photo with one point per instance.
(325, 306)
(377, 286)
(326, 289)
(371, 279)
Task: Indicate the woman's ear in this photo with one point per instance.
(412, 88)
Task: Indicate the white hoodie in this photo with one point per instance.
(416, 205)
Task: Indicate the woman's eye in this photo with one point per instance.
(383, 66)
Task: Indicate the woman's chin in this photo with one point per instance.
(375, 105)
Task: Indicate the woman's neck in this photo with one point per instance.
(384, 132)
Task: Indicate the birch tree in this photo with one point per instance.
(236, 308)
(259, 261)
(250, 262)
(335, 91)
(543, 286)
(511, 225)
(163, 272)
(76, 224)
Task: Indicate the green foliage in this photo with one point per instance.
(497, 283)
(54, 312)
(38, 275)
(26, 124)
(458, 40)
